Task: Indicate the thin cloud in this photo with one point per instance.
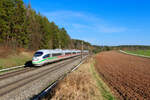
(83, 25)
(82, 20)
(72, 17)
(106, 29)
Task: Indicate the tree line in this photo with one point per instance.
(97, 48)
(131, 47)
(23, 27)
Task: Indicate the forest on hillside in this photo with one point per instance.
(23, 27)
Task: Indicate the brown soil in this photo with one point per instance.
(128, 76)
(4, 52)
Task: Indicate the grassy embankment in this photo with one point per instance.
(140, 52)
(82, 84)
(10, 58)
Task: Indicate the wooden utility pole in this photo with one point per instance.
(89, 49)
(81, 50)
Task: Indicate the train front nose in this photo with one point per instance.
(35, 60)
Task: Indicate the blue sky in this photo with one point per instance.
(100, 22)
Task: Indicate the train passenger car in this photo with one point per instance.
(42, 57)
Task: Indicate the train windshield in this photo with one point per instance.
(37, 54)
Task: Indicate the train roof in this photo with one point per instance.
(57, 50)
(50, 51)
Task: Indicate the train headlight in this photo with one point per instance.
(35, 59)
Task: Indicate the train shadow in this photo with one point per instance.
(29, 64)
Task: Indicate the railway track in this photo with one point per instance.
(9, 87)
(14, 73)
(18, 72)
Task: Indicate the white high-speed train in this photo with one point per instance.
(44, 56)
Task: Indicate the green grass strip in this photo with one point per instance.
(14, 60)
(140, 52)
(104, 89)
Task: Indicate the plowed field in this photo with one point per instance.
(128, 76)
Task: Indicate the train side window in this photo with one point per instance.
(56, 54)
(46, 56)
(67, 53)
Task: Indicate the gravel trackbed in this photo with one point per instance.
(128, 76)
(29, 83)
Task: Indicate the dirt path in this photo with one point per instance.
(128, 76)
